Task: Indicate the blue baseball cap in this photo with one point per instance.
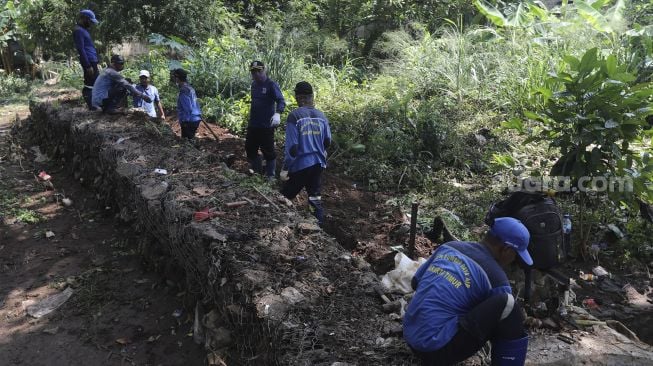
(90, 14)
(514, 234)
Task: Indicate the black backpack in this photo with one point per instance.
(541, 216)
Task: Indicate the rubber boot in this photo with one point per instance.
(255, 165)
(270, 169)
(316, 208)
(509, 352)
(87, 94)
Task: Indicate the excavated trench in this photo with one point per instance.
(270, 286)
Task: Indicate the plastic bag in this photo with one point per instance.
(398, 280)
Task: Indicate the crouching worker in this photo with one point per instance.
(308, 135)
(111, 88)
(188, 110)
(463, 299)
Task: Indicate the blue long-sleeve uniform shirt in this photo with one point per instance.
(456, 278)
(85, 47)
(307, 136)
(264, 97)
(188, 109)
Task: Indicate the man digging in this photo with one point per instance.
(463, 299)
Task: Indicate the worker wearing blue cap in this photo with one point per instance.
(87, 52)
(463, 299)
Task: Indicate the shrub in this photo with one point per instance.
(12, 85)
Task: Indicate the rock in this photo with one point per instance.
(209, 230)
(480, 139)
(308, 227)
(292, 296)
(271, 306)
(154, 191)
(127, 170)
(217, 338)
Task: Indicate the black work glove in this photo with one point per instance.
(146, 98)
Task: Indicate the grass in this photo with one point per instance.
(10, 206)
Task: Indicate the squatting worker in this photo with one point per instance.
(264, 116)
(87, 52)
(111, 88)
(151, 91)
(188, 109)
(308, 135)
(463, 299)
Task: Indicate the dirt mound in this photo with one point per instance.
(272, 287)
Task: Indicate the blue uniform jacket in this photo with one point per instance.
(188, 109)
(264, 97)
(307, 136)
(456, 278)
(85, 47)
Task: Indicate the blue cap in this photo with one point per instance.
(90, 14)
(514, 234)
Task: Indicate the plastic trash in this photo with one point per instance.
(49, 304)
(586, 276)
(398, 280)
(44, 176)
(601, 272)
(160, 171)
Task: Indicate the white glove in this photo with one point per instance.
(283, 175)
(275, 120)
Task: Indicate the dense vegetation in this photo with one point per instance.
(419, 93)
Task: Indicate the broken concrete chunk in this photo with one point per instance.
(127, 170)
(154, 191)
(292, 295)
(209, 230)
(308, 227)
(271, 306)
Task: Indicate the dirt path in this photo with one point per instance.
(119, 314)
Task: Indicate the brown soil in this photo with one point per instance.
(119, 314)
(363, 223)
(360, 220)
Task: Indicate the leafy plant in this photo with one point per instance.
(598, 121)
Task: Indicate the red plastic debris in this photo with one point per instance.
(590, 303)
(206, 214)
(44, 176)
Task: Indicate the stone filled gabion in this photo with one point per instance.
(274, 288)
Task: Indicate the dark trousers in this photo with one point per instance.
(89, 80)
(260, 138)
(116, 97)
(481, 324)
(311, 179)
(188, 129)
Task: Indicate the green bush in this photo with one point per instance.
(12, 85)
